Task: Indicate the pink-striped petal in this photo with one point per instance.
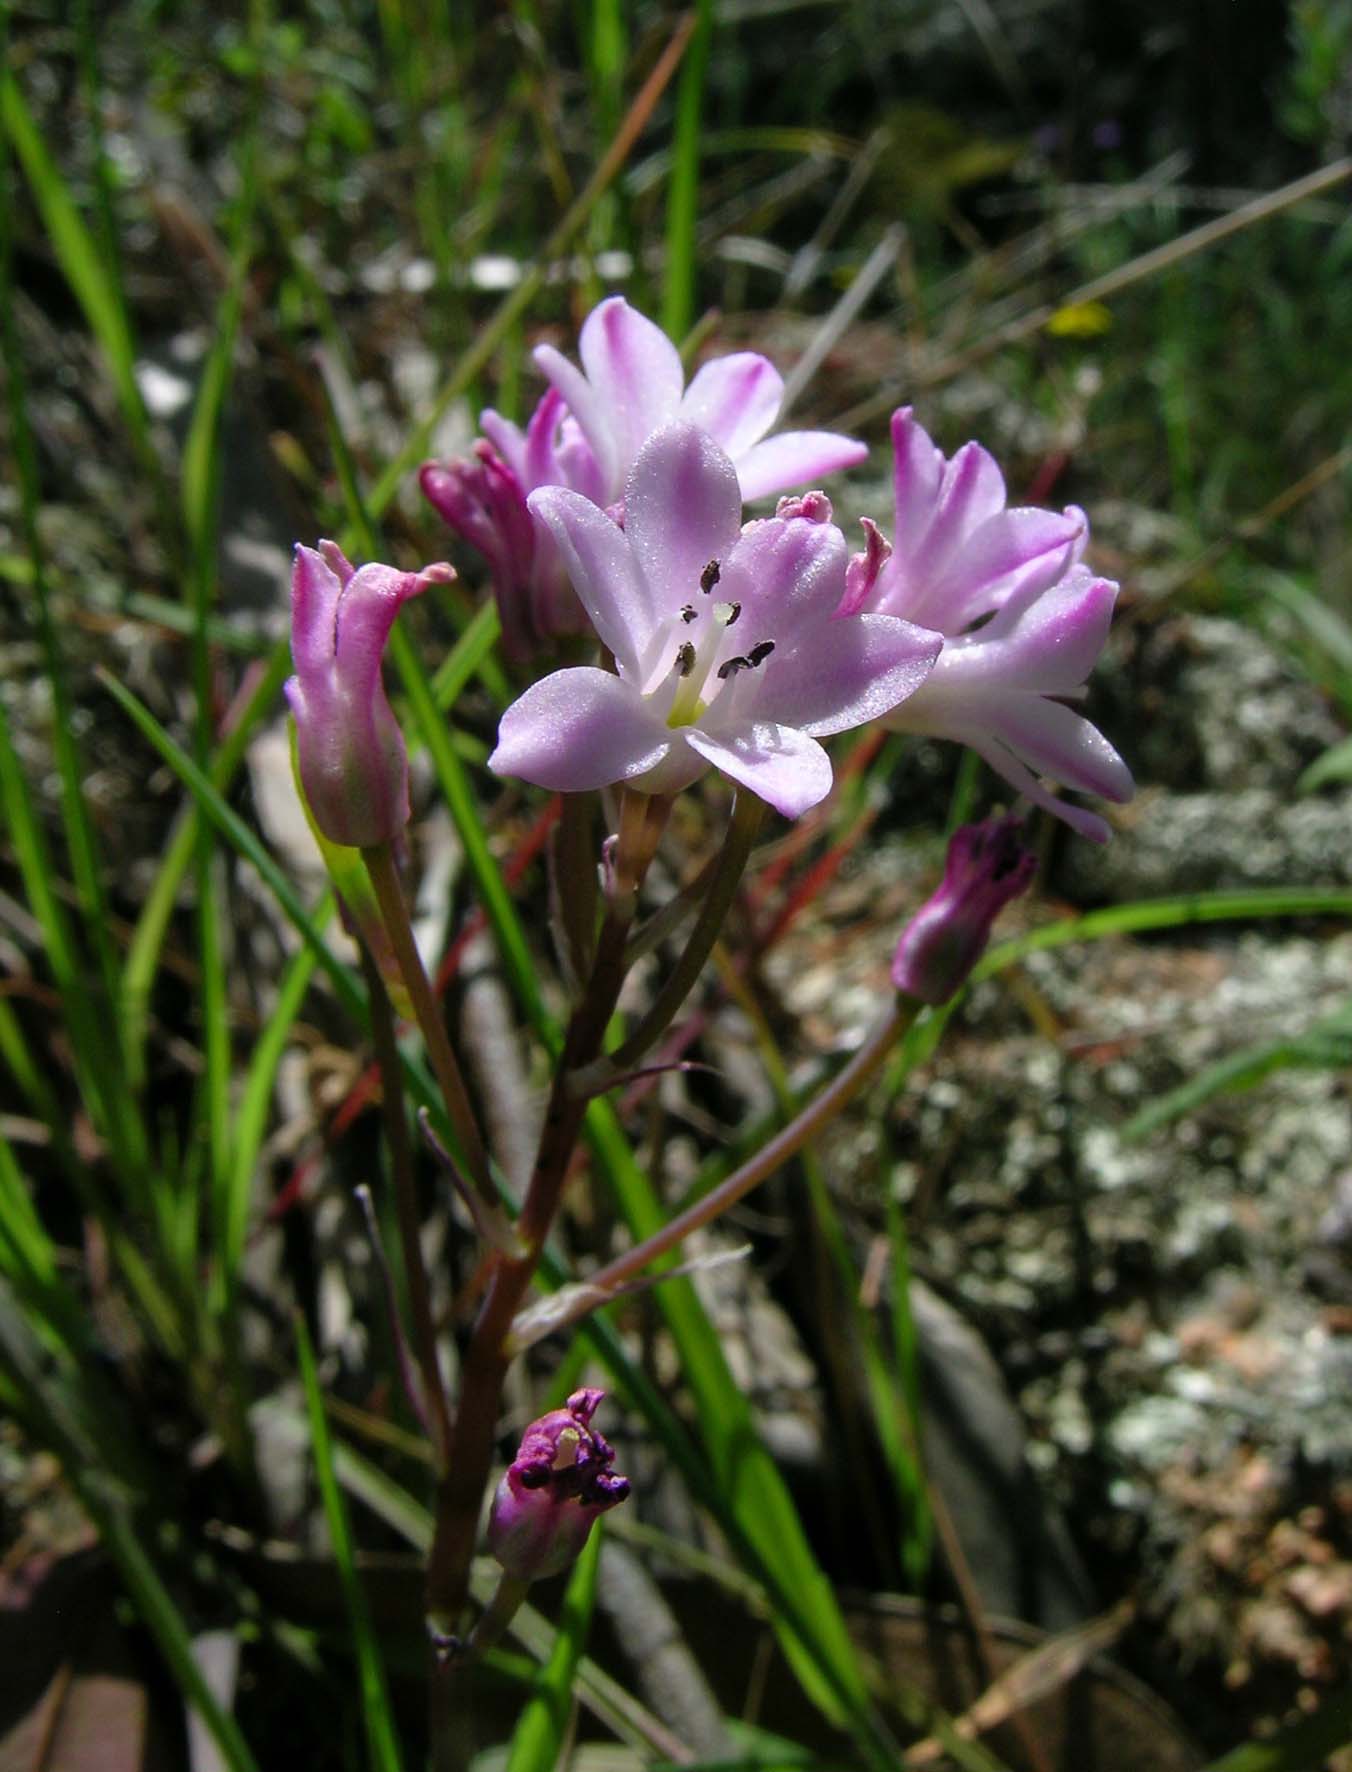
(847, 673)
(1012, 557)
(635, 371)
(1050, 645)
(579, 729)
(1054, 739)
(796, 458)
(917, 471)
(604, 572)
(784, 574)
(786, 768)
(736, 399)
(682, 509)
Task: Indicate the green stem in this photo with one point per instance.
(379, 859)
(406, 1207)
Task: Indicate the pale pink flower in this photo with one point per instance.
(726, 645)
(632, 383)
(1023, 622)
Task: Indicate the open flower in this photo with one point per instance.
(1003, 691)
(632, 383)
(350, 751)
(960, 558)
(958, 551)
(555, 1489)
(727, 650)
(484, 501)
(987, 865)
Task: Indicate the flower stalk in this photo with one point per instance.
(435, 1410)
(747, 815)
(379, 859)
(856, 1075)
(642, 820)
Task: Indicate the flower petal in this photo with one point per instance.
(1012, 557)
(315, 590)
(972, 490)
(604, 572)
(588, 409)
(847, 672)
(796, 458)
(1050, 645)
(917, 471)
(636, 373)
(1006, 764)
(786, 768)
(682, 509)
(735, 399)
(1057, 741)
(579, 729)
(785, 572)
(508, 439)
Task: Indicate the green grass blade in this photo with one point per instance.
(678, 296)
(382, 1743)
(1178, 912)
(513, 949)
(81, 261)
(538, 1739)
(251, 1113)
(233, 828)
(147, 942)
(99, 1077)
(79, 830)
(201, 498)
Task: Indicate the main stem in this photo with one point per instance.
(389, 893)
(462, 1484)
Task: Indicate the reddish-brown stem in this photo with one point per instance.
(642, 820)
(805, 1125)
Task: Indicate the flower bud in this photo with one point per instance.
(988, 864)
(555, 1489)
(352, 760)
(483, 498)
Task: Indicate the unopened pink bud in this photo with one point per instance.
(351, 754)
(556, 1488)
(988, 864)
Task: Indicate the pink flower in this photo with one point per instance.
(958, 551)
(1003, 691)
(484, 501)
(556, 1488)
(632, 383)
(353, 765)
(726, 646)
(987, 866)
(959, 558)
